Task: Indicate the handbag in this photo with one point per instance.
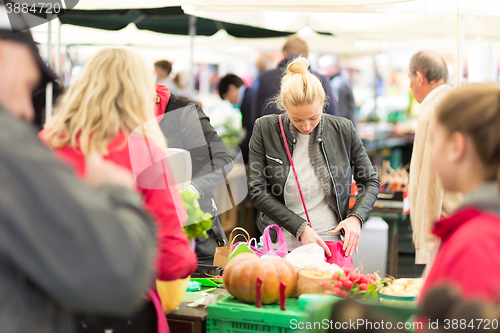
(338, 256)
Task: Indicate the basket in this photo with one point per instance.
(230, 315)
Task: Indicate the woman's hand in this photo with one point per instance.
(352, 228)
(309, 236)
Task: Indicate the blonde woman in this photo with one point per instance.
(326, 152)
(110, 110)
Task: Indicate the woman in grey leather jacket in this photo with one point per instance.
(326, 151)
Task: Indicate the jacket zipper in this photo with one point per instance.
(333, 181)
(277, 160)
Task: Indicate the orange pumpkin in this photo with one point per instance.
(241, 273)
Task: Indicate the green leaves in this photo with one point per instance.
(198, 222)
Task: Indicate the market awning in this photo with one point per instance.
(168, 20)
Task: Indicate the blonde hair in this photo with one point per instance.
(114, 92)
(474, 110)
(299, 86)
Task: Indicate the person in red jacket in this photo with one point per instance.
(110, 110)
(466, 155)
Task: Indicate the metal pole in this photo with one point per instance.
(192, 34)
(48, 92)
(58, 51)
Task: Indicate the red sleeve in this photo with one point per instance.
(175, 258)
(469, 263)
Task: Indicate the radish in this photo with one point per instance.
(344, 294)
(328, 292)
(347, 270)
(371, 276)
(336, 292)
(353, 276)
(362, 279)
(335, 277)
(347, 284)
(327, 285)
(337, 284)
(363, 286)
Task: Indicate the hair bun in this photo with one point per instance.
(298, 66)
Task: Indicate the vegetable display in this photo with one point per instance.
(354, 284)
(198, 222)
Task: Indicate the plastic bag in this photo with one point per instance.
(268, 243)
(171, 293)
(311, 257)
(339, 257)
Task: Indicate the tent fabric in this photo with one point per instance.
(280, 4)
(168, 20)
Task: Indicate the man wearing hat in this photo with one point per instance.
(64, 247)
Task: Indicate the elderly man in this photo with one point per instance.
(64, 248)
(428, 201)
(270, 81)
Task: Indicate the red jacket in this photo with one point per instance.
(469, 256)
(175, 257)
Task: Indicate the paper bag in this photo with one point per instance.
(222, 253)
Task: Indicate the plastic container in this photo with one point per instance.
(399, 301)
(230, 315)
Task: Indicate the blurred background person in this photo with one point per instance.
(428, 201)
(466, 156)
(176, 85)
(232, 88)
(269, 84)
(330, 66)
(65, 247)
(264, 63)
(99, 113)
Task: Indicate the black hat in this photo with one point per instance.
(17, 31)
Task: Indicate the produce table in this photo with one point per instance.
(392, 219)
(190, 320)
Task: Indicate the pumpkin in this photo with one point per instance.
(242, 272)
(310, 282)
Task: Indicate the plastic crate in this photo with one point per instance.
(202, 271)
(323, 310)
(230, 315)
(407, 267)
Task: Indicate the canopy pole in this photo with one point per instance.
(48, 91)
(460, 46)
(58, 51)
(192, 34)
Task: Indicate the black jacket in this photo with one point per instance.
(270, 83)
(269, 167)
(186, 126)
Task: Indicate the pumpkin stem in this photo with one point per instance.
(282, 296)
(258, 297)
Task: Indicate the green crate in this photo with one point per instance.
(230, 315)
(323, 310)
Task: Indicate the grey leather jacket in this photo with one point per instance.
(269, 167)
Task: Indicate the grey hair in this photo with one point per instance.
(431, 64)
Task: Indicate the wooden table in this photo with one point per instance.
(392, 219)
(190, 320)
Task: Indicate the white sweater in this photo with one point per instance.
(323, 217)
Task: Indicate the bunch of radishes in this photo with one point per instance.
(353, 284)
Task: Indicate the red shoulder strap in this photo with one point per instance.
(293, 168)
